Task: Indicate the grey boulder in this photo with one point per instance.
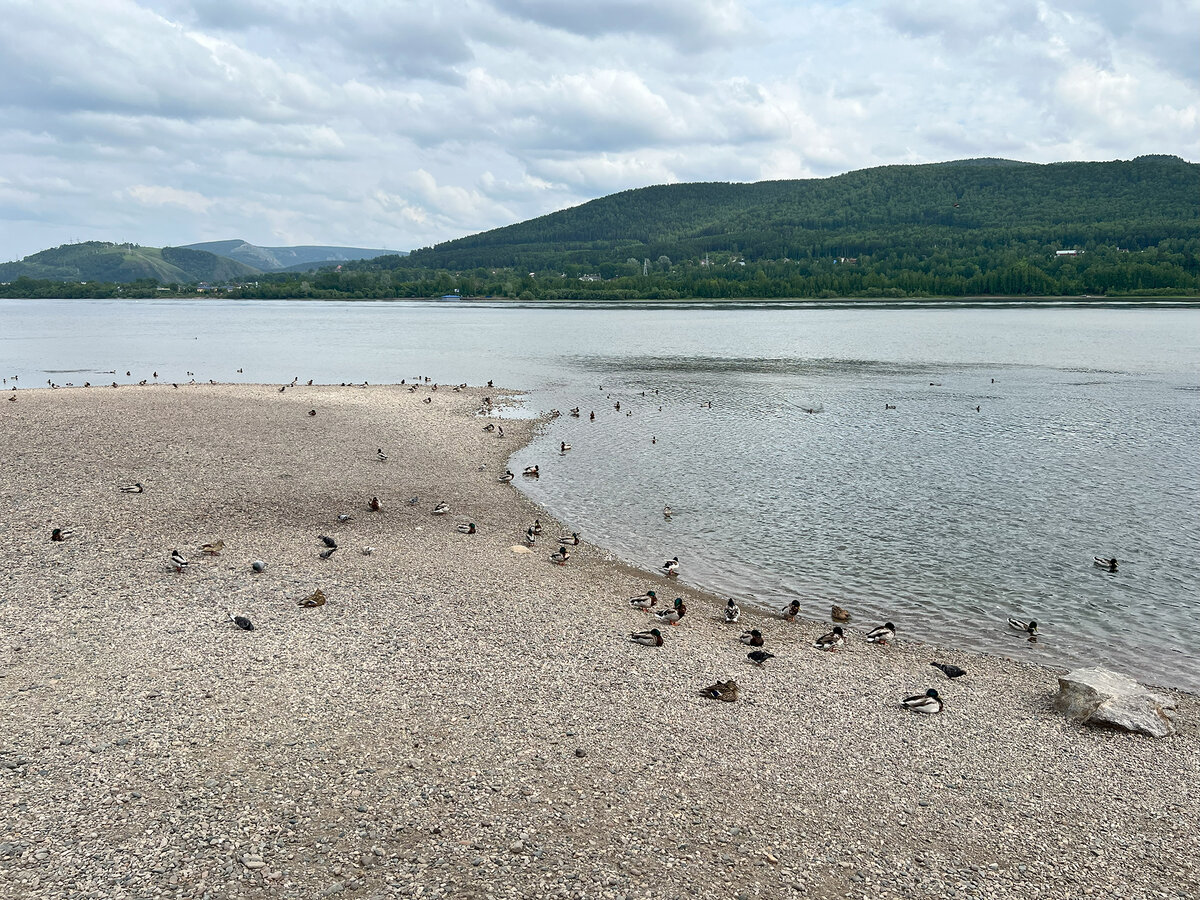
(1096, 696)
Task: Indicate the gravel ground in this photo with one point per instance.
(464, 720)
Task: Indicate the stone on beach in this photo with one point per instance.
(1097, 696)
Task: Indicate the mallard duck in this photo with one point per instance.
(367, 551)
(831, 641)
(530, 538)
(531, 472)
(838, 614)
(536, 527)
(575, 413)
(312, 412)
(645, 602)
(951, 671)
(1105, 562)
(316, 598)
(572, 541)
(733, 612)
(327, 541)
(489, 427)
(242, 622)
(929, 702)
(564, 447)
(673, 615)
(651, 638)
(468, 528)
(752, 638)
(441, 509)
(560, 556)
(758, 657)
(667, 512)
(135, 488)
(213, 549)
(671, 567)
(790, 611)
(380, 455)
(499, 431)
(60, 534)
(507, 476)
(725, 691)
(179, 561)
(374, 505)
(1029, 627)
(884, 634)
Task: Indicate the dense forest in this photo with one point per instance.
(961, 229)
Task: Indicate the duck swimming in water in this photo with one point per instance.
(929, 702)
(834, 640)
(1029, 627)
(671, 567)
(531, 472)
(1105, 562)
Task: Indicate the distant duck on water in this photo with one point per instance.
(1105, 562)
(1030, 627)
(671, 567)
(531, 472)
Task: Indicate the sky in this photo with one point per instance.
(402, 123)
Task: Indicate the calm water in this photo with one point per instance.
(944, 519)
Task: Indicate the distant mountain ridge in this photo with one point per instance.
(291, 259)
(124, 263)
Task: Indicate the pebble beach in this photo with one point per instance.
(463, 718)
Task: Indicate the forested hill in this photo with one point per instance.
(973, 206)
(100, 261)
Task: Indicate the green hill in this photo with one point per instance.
(124, 263)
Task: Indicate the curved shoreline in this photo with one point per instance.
(478, 715)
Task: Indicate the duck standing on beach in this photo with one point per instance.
(135, 488)
(733, 612)
(645, 602)
(374, 505)
(572, 541)
(884, 634)
(536, 527)
(1029, 627)
(441, 509)
(651, 638)
(834, 640)
(752, 638)
(561, 556)
(929, 702)
(673, 615)
(60, 534)
(468, 528)
(506, 477)
(380, 455)
(671, 567)
(790, 611)
(530, 538)
(213, 548)
(179, 561)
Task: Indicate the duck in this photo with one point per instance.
(499, 431)
(671, 567)
(884, 634)
(929, 702)
(531, 472)
(950, 670)
(673, 615)
(838, 614)
(651, 638)
(316, 598)
(242, 622)
(752, 638)
(468, 528)
(135, 488)
(758, 657)
(644, 602)
(489, 427)
(380, 455)
(179, 561)
(60, 534)
(536, 527)
(1029, 627)
(790, 611)
(530, 538)
(506, 477)
(327, 541)
(831, 641)
(560, 556)
(441, 509)
(1105, 562)
(667, 512)
(213, 548)
(725, 691)
(564, 448)
(572, 541)
(733, 612)
(368, 550)
(374, 505)
(311, 412)
(575, 413)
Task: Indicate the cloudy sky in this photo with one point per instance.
(400, 123)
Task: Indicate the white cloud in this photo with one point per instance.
(158, 195)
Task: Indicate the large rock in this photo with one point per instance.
(1097, 696)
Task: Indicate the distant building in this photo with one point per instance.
(590, 278)
(1067, 252)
